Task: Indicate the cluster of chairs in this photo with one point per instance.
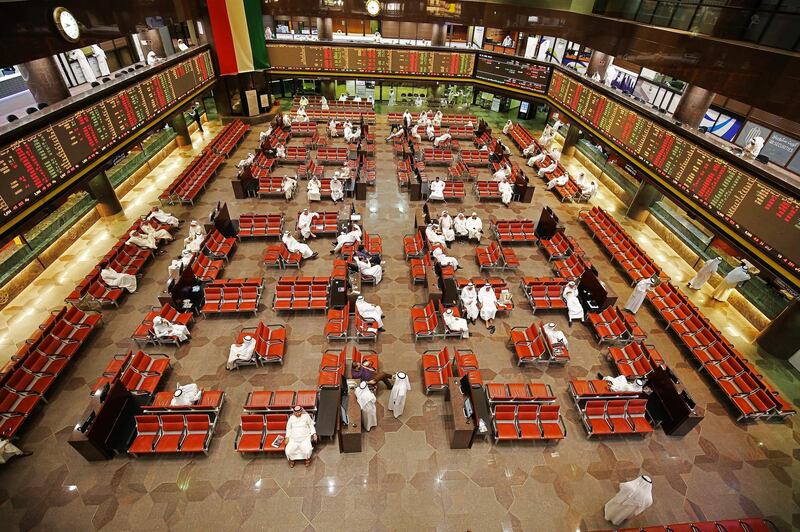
(326, 224)
(498, 285)
(521, 137)
(532, 346)
(545, 293)
(337, 326)
(295, 155)
(460, 170)
(315, 141)
(217, 246)
(279, 256)
(559, 246)
(270, 186)
(462, 132)
(342, 114)
(144, 333)
(304, 129)
(528, 422)
(205, 268)
(229, 137)
(141, 373)
(270, 344)
(332, 155)
(496, 257)
(262, 427)
(173, 433)
(614, 326)
(606, 412)
(487, 190)
(515, 231)
(301, 293)
(437, 369)
(623, 249)
(414, 245)
(572, 267)
(519, 392)
(479, 158)
(310, 169)
(210, 401)
(752, 396)
(187, 186)
(427, 323)
(260, 225)
(454, 189)
(465, 363)
(332, 367)
(34, 368)
(373, 245)
(749, 524)
(436, 156)
(635, 360)
(230, 296)
(455, 120)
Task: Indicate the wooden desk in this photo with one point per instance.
(671, 405)
(350, 434)
(327, 419)
(432, 282)
(461, 429)
(112, 428)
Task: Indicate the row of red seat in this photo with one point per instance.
(144, 333)
(270, 344)
(337, 326)
(425, 322)
(193, 179)
(294, 155)
(280, 400)
(332, 155)
(572, 267)
(437, 156)
(615, 416)
(623, 249)
(217, 246)
(232, 296)
(341, 115)
(326, 223)
(559, 246)
(437, 369)
(269, 186)
(141, 373)
(752, 396)
(206, 269)
(521, 137)
(519, 392)
(34, 368)
(545, 293)
(487, 190)
(210, 401)
(496, 257)
(310, 169)
(279, 256)
(454, 189)
(304, 129)
(315, 141)
(260, 225)
(172, 433)
(635, 360)
(513, 231)
(615, 326)
(333, 366)
(528, 422)
(531, 345)
(749, 524)
(475, 158)
(225, 142)
(447, 119)
(460, 170)
(301, 293)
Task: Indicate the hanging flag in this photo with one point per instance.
(238, 30)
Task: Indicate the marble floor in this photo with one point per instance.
(406, 477)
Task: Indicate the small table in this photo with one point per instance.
(461, 428)
(350, 434)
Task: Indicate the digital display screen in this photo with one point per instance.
(37, 163)
(513, 72)
(767, 217)
(293, 57)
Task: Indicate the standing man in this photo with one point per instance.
(196, 116)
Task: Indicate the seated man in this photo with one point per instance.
(456, 324)
(555, 336)
(351, 237)
(534, 160)
(445, 260)
(289, 186)
(442, 139)
(143, 240)
(280, 151)
(163, 328)
(337, 189)
(365, 267)
(370, 311)
(530, 150)
(502, 173)
(474, 227)
(436, 190)
(304, 222)
(430, 132)
(366, 373)
(241, 353)
(558, 181)
(294, 246)
(300, 433)
(332, 128)
(549, 169)
(313, 188)
(460, 225)
(163, 217)
(434, 236)
(506, 192)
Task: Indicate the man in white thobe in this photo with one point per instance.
(555, 336)
(455, 324)
(638, 295)
(536, 159)
(83, 63)
(507, 43)
(487, 301)
(557, 124)
(177, 265)
(303, 101)
(313, 188)
(304, 222)
(343, 97)
(193, 244)
(735, 277)
(474, 227)
(469, 300)
(365, 267)
(436, 189)
(574, 307)
(289, 186)
(297, 247)
(323, 102)
(163, 217)
(460, 225)
(446, 225)
(705, 272)
(280, 151)
(620, 384)
(122, 280)
(530, 150)
(444, 260)
(753, 148)
(441, 139)
(300, 432)
(186, 395)
(301, 115)
(264, 135)
(550, 168)
(434, 237)
(502, 173)
(351, 237)
(348, 131)
(241, 353)
(437, 118)
(182, 46)
(195, 230)
(102, 63)
(399, 132)
(430, 132)
(287, 120)
(506, 192)
(157, 234)
(589, 190)
(367, 401)
(634, 497)
(507, 127)
(337, 189)
(558, 181)
(143, 240)
(397, 398)
(152, 58)
(370, 311)
(415, 133)
(163, 328)
(332, 128)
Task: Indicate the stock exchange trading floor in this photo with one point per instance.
(406, 476)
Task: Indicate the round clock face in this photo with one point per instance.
(67, 24)
(373, 7)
